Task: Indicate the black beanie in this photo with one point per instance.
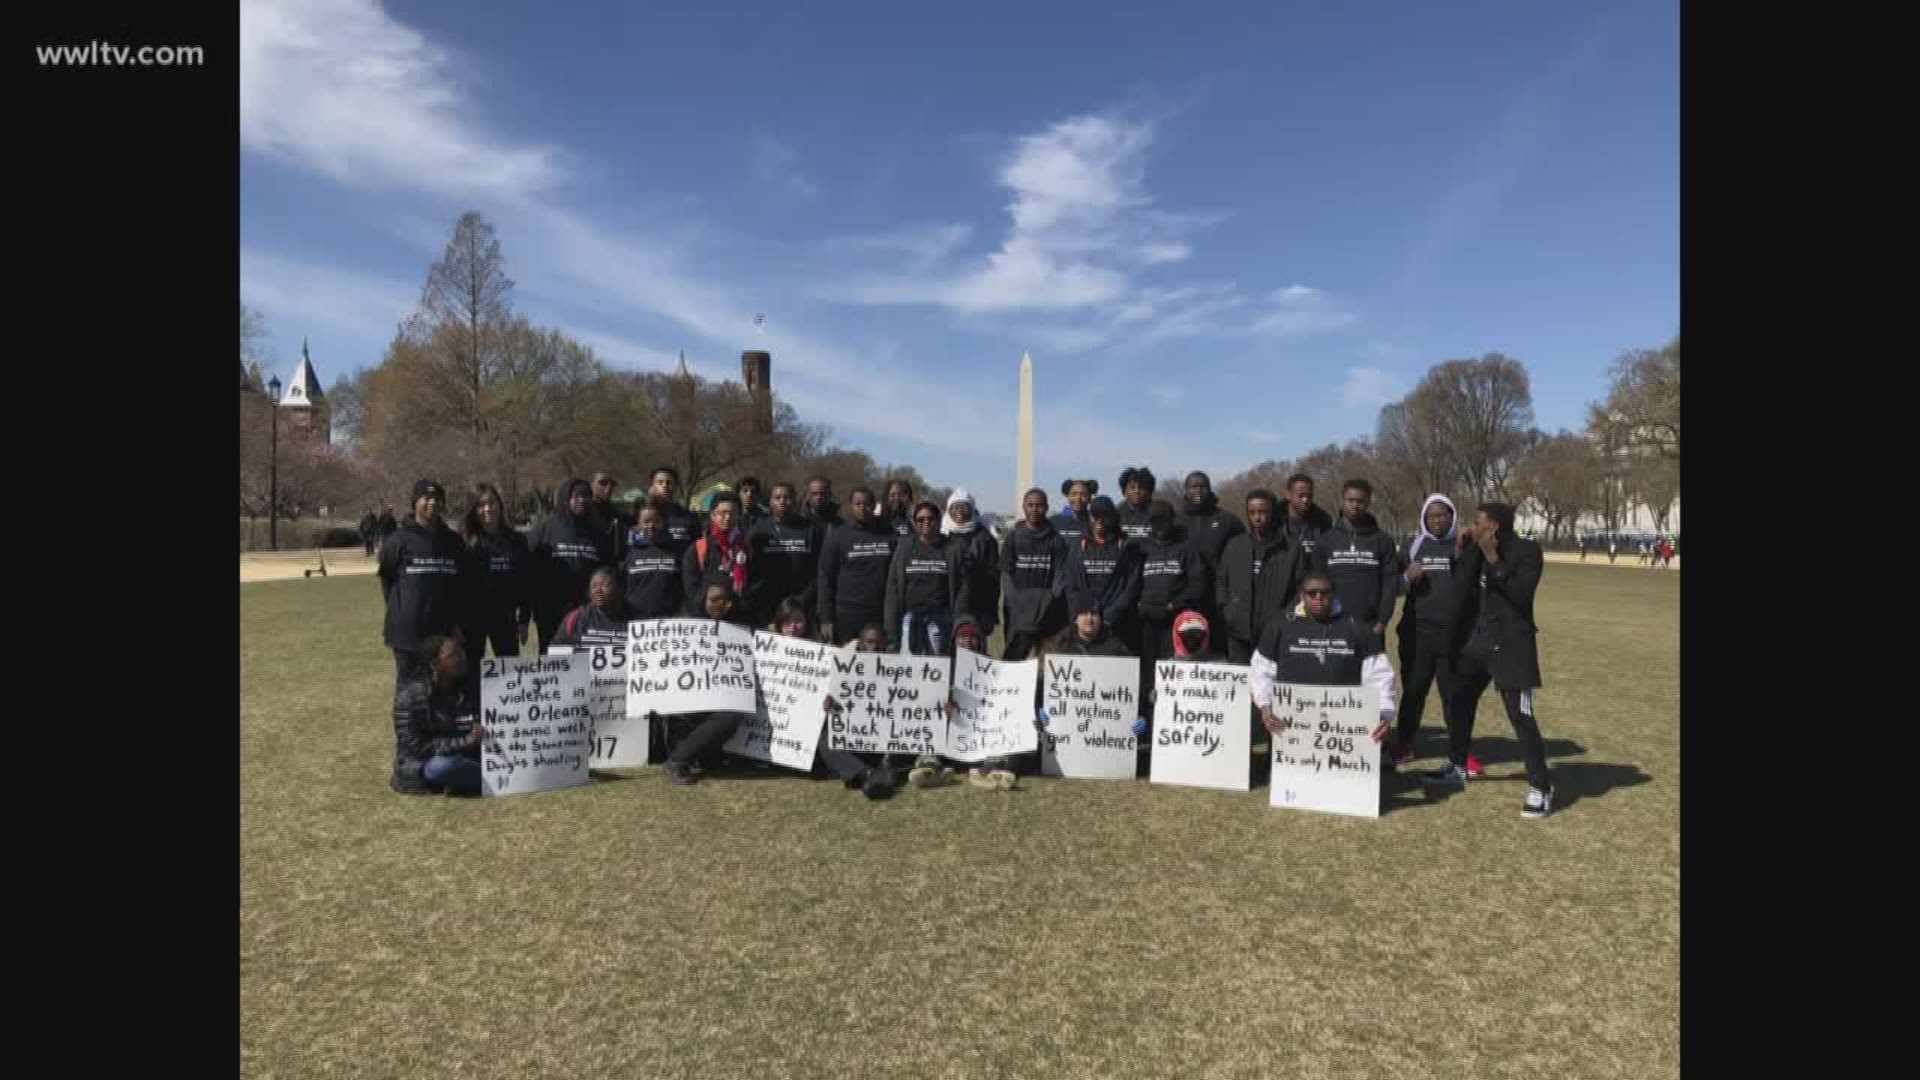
(428, 487)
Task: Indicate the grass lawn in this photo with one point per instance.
(788, 928)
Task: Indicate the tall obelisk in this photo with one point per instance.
(1023, 453)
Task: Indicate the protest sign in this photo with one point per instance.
(794, 676)
(1202, 727)
(688, 665)
(1091, 702)
(993, 708)
(537, 715)
(1326, 758)
(889, 703)
(619, 737)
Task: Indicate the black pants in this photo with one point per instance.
(368, 544)
(709, 731)
(1423, 661)
(1474, 678)
(1020, 644)
(504, 636)
(1155, 643)
(1239, 650)
(404, 665)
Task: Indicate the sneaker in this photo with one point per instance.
(681, 774)
(1452, 774)
(1402, 754)
(924, 772)
(979, 778)
(1001, 779)
(1475, 770)
(878, 783)
(1539, 803)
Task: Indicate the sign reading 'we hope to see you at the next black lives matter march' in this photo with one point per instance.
(888, 703)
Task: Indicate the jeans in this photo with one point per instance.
(454, 772)
(1474, 679)
(1423, 660)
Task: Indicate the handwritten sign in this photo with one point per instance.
(1326, 758)
(1201, 725)
(794, 676)
(538, 717)
(993, 708)
(689, 665)
(619, 735)
(1091, 702)
(889, 703)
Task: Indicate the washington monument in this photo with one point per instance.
(1023, 452)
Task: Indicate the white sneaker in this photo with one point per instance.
(1538, 805)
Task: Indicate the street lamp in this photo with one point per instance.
(273, 463)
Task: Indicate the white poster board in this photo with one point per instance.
(889, 703)
(993, 708)
(1326, 758)
(538, 720)
(619, 737)
(1091, 702)
(689, 665)
(1202, 726)
(794, 676)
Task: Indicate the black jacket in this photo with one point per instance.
(853, 572)
(427, 721)
(566, 550)
(613, 519)
(370, 527)
(1364, 563)
(1330, 653)
(500, 593)
(681, 526)
(1033, 578)
(651, 583)
(1432, 601)
(1104, 645)
(786, 564)
(1209, 528)
(822, 523)
(1494, 623)
(925, 579)
(1256, 580)
(982, 557)
(1110, 573)
(1133, 523)
(587, 626)
(1305, 535)
(1070, 526)
(1173, 577)
(387, 524)
(423, 574)
(903, 525)
(697, 573)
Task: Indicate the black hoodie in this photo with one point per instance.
(1133, 523)
(925, 578)
(785, 556)
(502, 581)
(424, 574)
(853, 572)
(1033, 578)
(1209, 527)
(565, 550)
(1305, 535)
(1173, 577)
(1109, 573)
(587, 626)
(1433, 600)
(980, 553)
(650, 581)
(1365, 566)
(822, 524)
(1071, 526)
(1256, 581)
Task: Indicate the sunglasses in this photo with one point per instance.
(1316, 593)
(925, 520)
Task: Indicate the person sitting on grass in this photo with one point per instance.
(704, 732)
(1319, 644)
(1088, 635)
(602, 620)
(436, 732)
(871, 774)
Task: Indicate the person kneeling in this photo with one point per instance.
(710, 730)
(1318, 644)
(436, 734)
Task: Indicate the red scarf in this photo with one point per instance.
(726, 546)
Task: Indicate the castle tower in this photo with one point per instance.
(756, 374)
(304, 401)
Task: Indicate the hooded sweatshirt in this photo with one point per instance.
(854, 562)
(587, 626)
(1305, 534)
(982, 557)
(1209, 527)
(1173, 576)
(651, 581)
(1133, 522)
(1255, 580)
(822, 523)
(1109, 573)
(1433, 600)
(926, 579)
(1033, 577)
(1301, 649)
(681, 526)
(786, 563)
(1205, 653)
(424, 574)
(1104, 645)
(501, 572)
(1071, 526)
(565, 550)
(1364, 563)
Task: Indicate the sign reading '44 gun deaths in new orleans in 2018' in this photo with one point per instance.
(1202, 725)
(689, 665)
(1091, 702)
(538, 717)
(795, 675)
(888, 703)
(1325, 759)
(993, 708)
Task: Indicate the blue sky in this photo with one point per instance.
(1225, 232)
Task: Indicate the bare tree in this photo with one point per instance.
(1478, 415)
(1653, 481)
(1642, 410)
(1560, 476)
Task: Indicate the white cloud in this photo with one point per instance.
(339, 87)
(294, 294)
(1299, 311)
(778, 163)
(1368, 388)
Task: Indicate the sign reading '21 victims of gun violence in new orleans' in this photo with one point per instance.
(888, 703)
(1091, 702)
(794, 675)
(1325, 759)
(993, 708)
(538, 717)
(1202, 725)
(689, 665)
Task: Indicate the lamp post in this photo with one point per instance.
(273, 463)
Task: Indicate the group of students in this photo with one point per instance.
(1293, 593)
